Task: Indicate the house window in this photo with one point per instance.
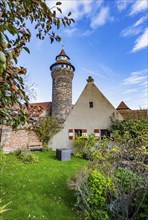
(78, 133)
(90, 104)
(105, 133)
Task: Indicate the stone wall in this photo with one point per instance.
(13, 140)
(62, 93)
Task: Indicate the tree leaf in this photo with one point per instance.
(59, 9)
(69, 14)
(26, 48)
(58, 3)
(12, 29)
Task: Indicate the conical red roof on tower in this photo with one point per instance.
(62, 53)
(62, 58)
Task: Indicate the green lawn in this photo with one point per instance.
(39, 190)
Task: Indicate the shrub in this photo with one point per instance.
(28, 158)
(79, 145)
(128, 194)
(23, 149)
(98, 186)
(122, 163)
(46, 127)
(85, 146)
(143, 212)
(91, 193)
(46, 148)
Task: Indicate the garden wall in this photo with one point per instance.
(12, 140)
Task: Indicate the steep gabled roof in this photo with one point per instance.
(122, 106)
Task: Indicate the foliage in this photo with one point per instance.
(131, 132)
(79, 144)
(122, 162)
(46, 148)
(143, 209)
(91, 188)
(98, 185)
(85, 146)
(39, 190)
(129, 193)
(46, 127)
(14, 36)
(23, 149)
(28, 157)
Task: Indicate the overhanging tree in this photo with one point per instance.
(14, 35)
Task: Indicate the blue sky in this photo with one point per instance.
(109, 41)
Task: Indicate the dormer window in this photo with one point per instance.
(90, 104)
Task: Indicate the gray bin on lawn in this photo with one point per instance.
(63, 154)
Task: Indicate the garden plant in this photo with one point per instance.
(114, 186)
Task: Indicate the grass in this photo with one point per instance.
(39, 191)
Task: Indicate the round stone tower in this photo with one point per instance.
(62, 72)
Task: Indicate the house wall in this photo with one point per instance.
(84, 117)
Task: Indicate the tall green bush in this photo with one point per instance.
(46, 127)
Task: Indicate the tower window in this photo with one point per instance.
(90, 104)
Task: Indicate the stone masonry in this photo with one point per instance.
(62, 92)
(12, 140)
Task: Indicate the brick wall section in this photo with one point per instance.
(17, 139)
(5, 135)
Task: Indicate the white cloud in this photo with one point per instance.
(70, 31)
(91, 72)
(129, 91)
(141, 42)
(131, 30)
(77, 8)
(134, 29)
(135, 88)
(136, 77)
(139, 6)
(87, 33)
(84, 8)
(102, 18)
(108, 71)
(122, 4)
(140, 21)
(133, 80)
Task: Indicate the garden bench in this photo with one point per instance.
(35, 146)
